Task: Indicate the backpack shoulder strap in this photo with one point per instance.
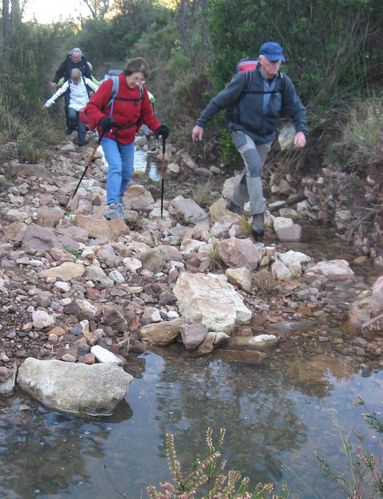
(283, 83)
(248, 80)
(88, 89)
(115, 87)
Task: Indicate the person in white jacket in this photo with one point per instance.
(77, 92)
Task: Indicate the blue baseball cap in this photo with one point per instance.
(272, 51)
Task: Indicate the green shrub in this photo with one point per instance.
(361, 142)
(332, 47)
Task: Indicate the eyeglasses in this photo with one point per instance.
(136, 79)
(275, 62)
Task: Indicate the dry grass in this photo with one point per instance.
(208, 478)
(245, 225)
(361, 145)
(267, 284)
(201, 193)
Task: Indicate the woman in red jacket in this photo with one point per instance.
(118, 121)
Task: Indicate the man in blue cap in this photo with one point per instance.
(256, 103)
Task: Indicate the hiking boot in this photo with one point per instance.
(235, 208)
(258, 225)
(115, 211)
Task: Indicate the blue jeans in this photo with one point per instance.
(120, 159)
(74, 123)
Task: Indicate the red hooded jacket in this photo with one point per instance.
(130, 110)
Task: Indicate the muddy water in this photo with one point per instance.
(277, 415)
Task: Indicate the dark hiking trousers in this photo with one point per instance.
(74, 123)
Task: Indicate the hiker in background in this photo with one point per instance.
(92, 77)
(77, 90)
(62, 80)
(75, 59)
(253, 124)
(119, 119)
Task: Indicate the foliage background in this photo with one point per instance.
(333, 50)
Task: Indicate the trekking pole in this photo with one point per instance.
(90, 159)
(162, 174)
(288, 203)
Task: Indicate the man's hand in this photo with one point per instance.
(299, 140)
(53, 85)
(197, 133)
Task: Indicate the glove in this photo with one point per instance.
(106, 124)
(162, 130)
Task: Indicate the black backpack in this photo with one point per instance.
(249, 66)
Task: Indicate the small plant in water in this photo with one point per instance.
(365, 478)
(208, 478)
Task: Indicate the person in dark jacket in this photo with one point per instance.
(118, 122)
(75, 59)
(253, 123)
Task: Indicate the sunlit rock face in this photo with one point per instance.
(211, 300)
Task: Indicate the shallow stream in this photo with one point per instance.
(276, 414)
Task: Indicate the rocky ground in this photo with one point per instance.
(70, 280)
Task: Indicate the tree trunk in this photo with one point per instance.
(15, 15)
(182, 21)
(6, 30)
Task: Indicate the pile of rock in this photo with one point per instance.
(78, 290)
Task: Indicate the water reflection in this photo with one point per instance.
(44, 452)
(144, 162)
(260, 418)
(276, 415)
